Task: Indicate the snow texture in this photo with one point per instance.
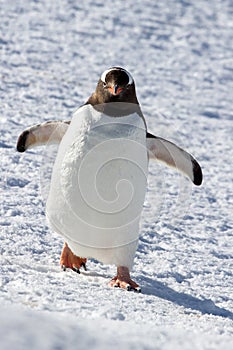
(180, 55)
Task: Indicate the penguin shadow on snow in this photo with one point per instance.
(160, 290)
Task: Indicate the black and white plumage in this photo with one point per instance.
(158, 148)
(105, 127)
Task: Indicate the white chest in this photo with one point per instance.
(99, 179)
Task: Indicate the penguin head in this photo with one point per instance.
(116, 85)
(116, 80)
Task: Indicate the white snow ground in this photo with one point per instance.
(180, 54)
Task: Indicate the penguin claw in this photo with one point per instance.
(129, 287)
(75, 269)
(63, 267)
(84, 266)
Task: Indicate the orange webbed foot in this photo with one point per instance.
(123, 280)
(69, 260)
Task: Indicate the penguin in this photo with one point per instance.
(99, 177)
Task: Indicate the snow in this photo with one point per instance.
(180, 55)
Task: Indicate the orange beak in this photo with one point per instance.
(115, 90)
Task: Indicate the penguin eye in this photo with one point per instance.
(104, 84)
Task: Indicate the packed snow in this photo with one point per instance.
(180, 54)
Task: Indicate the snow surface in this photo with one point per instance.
(180, 55)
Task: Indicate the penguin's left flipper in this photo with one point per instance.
(174, 156)
(46, 133)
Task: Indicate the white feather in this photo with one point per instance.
(98, 186)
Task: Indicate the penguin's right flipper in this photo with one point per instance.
(46, 133)
(174, 156)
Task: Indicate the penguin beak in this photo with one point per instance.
(115, 90)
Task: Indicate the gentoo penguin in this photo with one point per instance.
(99, 177)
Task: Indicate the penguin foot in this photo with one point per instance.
(123, 280)
(69, 260)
